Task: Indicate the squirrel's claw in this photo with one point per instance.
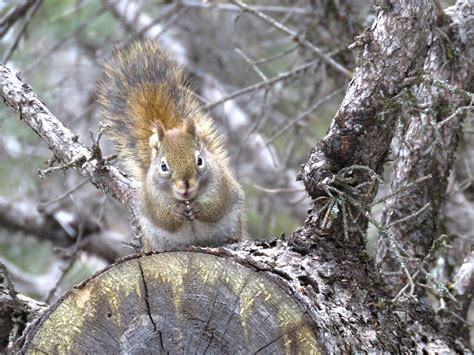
(187, 211)
(180, 212)
(194, 210)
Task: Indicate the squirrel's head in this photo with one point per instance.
(178, 161)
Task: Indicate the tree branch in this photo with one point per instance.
(64, 144)
(297, 38)
(364, 125)
(24, 216)
(428, 145)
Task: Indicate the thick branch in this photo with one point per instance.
(428, 147)
(157, 304)
(363, 127)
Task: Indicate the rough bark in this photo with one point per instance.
(15, 313)
(361, 132)
(65, 145)
(428, 147)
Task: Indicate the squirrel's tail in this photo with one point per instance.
(141, 87)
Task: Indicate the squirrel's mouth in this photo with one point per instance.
(185, 195)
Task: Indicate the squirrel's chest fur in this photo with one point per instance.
(226, 230)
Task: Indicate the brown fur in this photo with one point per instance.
(143, 88)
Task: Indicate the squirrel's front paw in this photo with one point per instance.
(194, 210)
(187, 211)
(180, 211)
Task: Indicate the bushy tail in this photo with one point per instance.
(141, 86)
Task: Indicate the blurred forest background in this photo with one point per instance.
(269, 95)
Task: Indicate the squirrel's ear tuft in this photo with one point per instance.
(190, 127)
(156, 138)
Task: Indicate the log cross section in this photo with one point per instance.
(174, 302)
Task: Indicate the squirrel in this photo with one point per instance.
(187, 192)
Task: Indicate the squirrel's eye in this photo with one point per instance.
(164, 167)
(200, 162)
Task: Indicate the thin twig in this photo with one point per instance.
(297, 38)
(252, 64)
(228, 7)
(262, 84)
(407, 218)
(274, 190)
(13, 15)
(459, 111)
(401, 189)
(165, 27)
(304, 114)
(276, 56)
(63, 40)
(22, 31)
(43, 205)
(53, 290)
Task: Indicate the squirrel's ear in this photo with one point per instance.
(156, 138)
(190, 127)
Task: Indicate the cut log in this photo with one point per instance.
(174, 302)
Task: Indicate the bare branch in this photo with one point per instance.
(23, 216)
(297, 38)
(15, 13)
(263, 84)
(22, 31)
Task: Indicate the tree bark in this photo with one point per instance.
(428, 144)
(363, 128)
